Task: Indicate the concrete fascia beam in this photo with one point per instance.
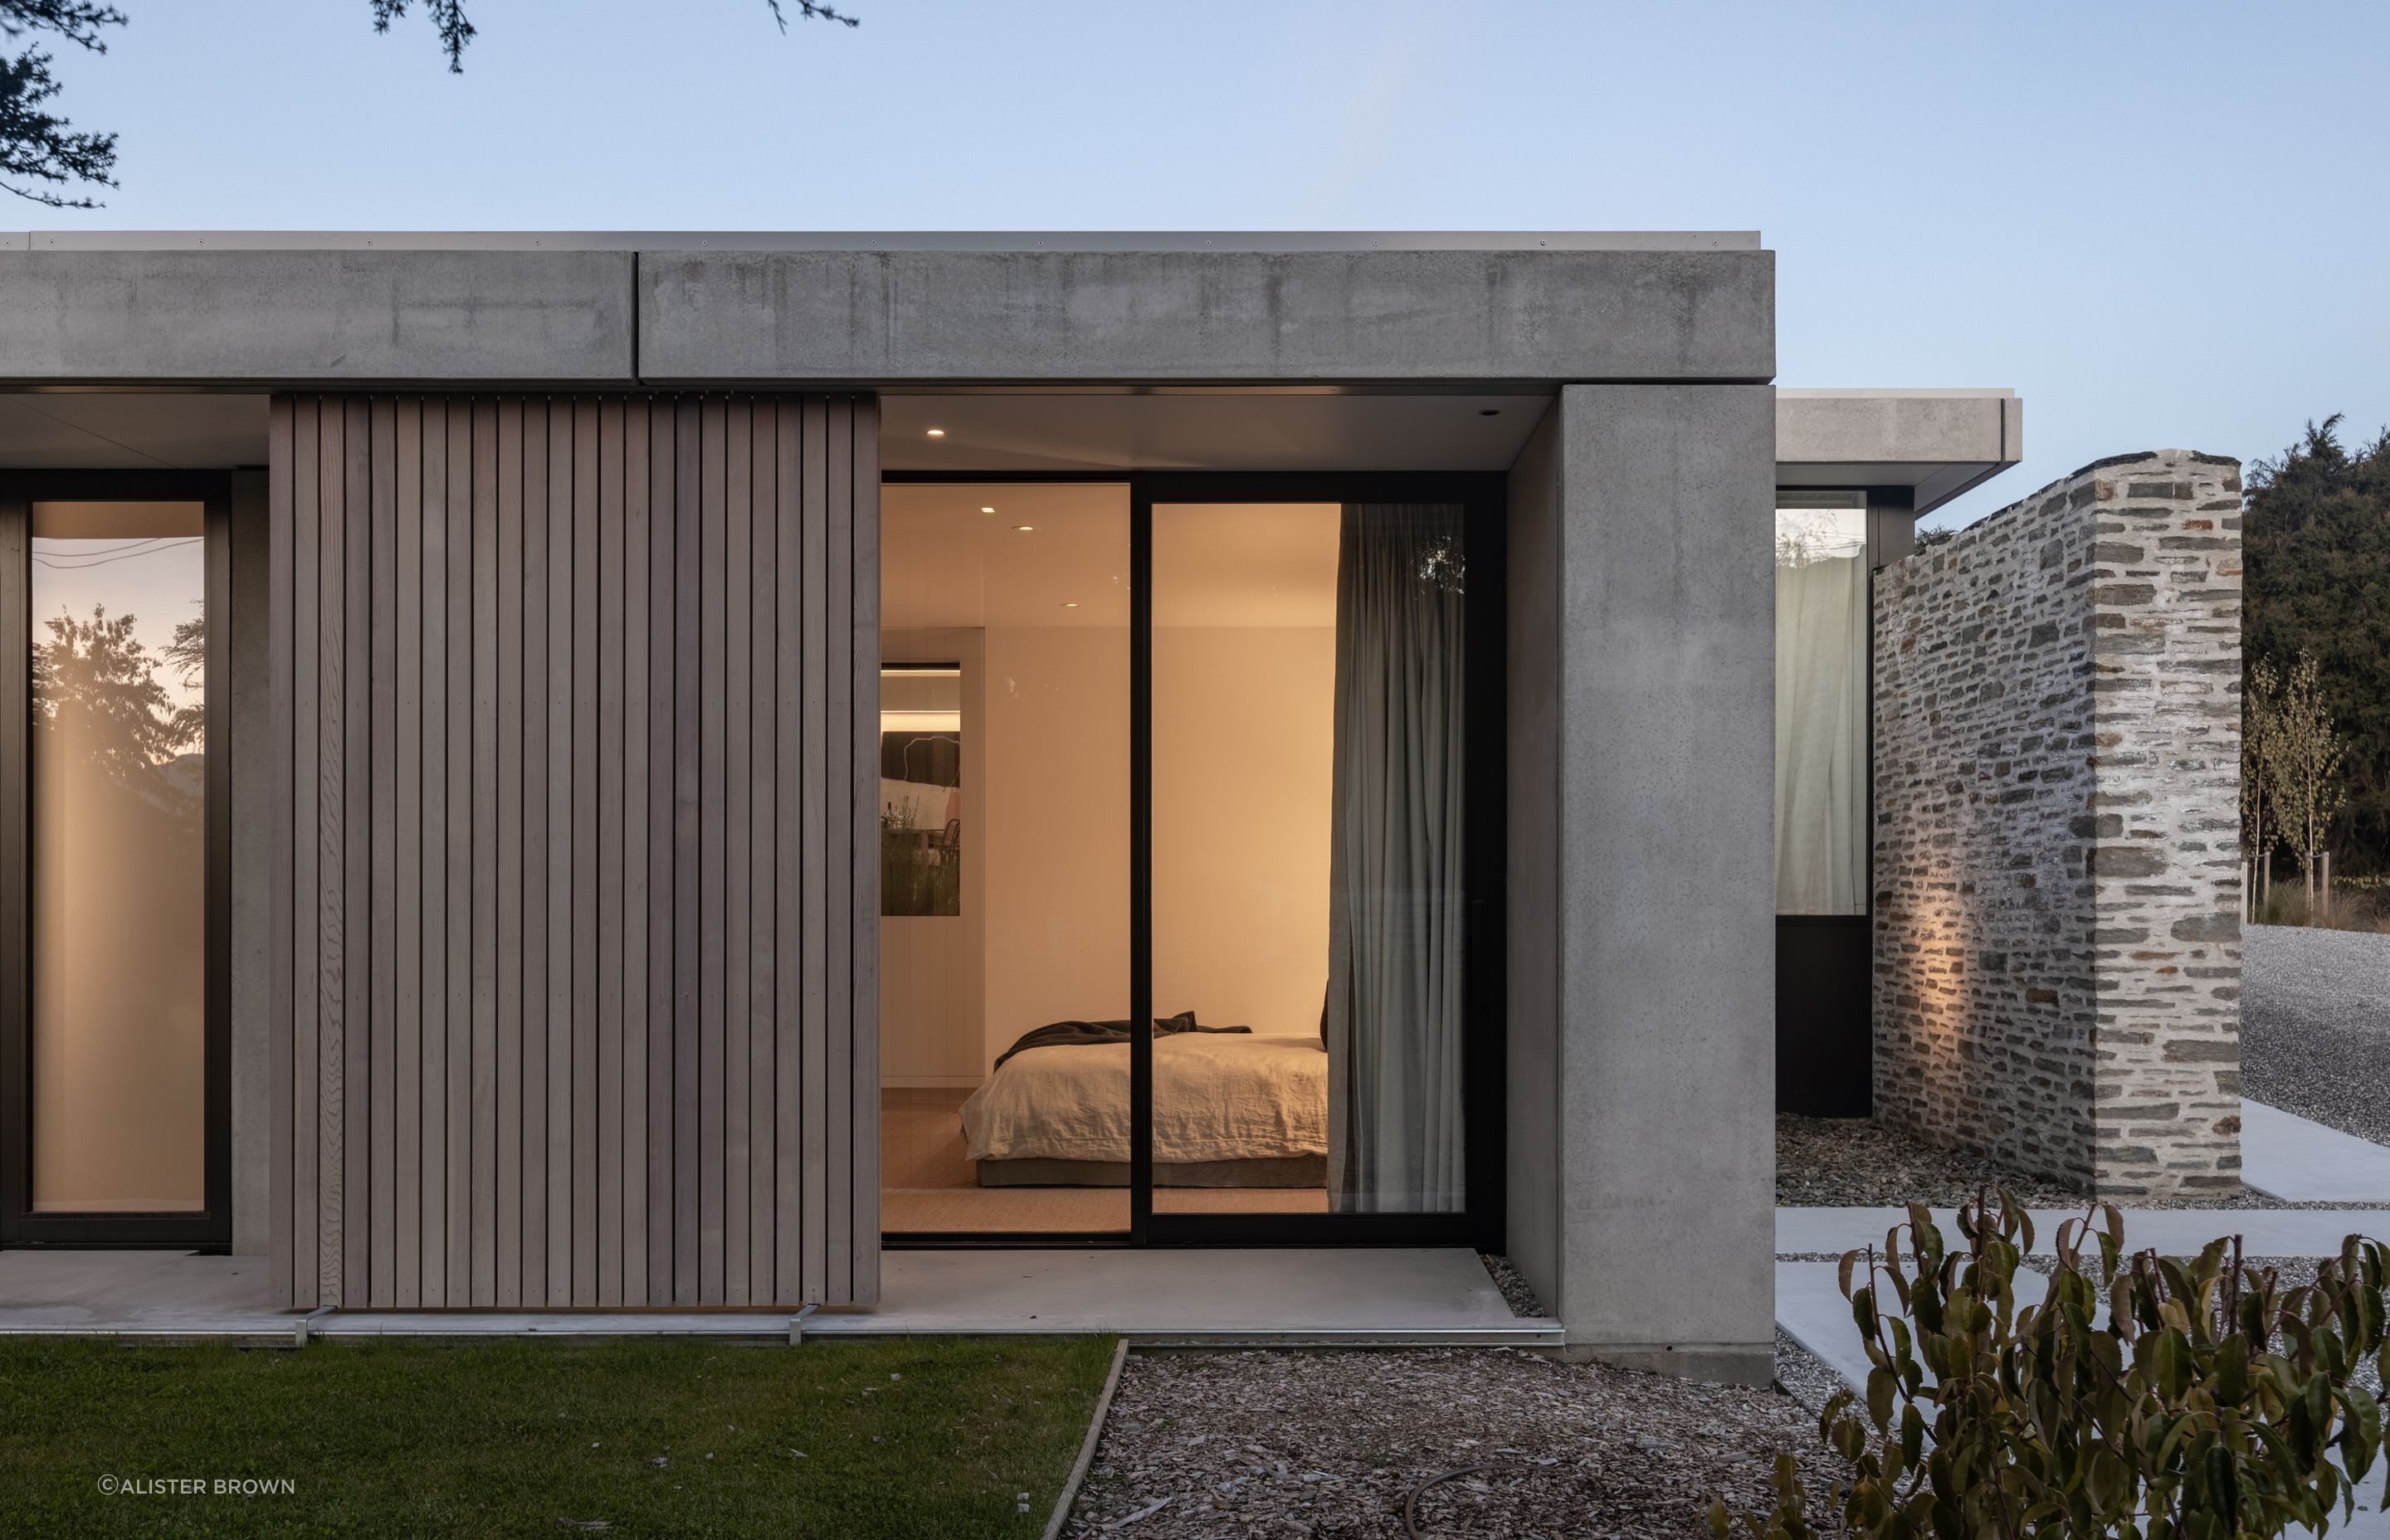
(347, 317)
(265, 309)
(1207, 317)
(1936, 442)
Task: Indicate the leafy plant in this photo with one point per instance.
(2148, 1398)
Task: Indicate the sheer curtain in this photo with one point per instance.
(1395, 1011)
(1821, 700)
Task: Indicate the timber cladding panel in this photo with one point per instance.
(576, 851)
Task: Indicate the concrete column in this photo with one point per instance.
(1641, 903)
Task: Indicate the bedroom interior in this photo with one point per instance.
(1307, 986)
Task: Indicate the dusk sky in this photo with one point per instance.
(2162, 223)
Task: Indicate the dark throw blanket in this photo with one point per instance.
(1075, 1034)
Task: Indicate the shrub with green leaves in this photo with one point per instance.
(2146, 1398)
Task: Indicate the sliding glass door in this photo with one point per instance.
(113, 1034)
(1004, 800)
(1321, 758)
(1192, 856)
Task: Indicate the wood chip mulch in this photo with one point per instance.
(1229, 1445)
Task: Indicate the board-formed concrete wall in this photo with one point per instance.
(2057, 805)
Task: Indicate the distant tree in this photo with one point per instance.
(2306, 758)
(2261, 707)
(45, 159)
(2317, 580)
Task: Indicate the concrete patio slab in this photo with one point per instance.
(2176, 1232)
(1340, 1296)
(2301, 1161)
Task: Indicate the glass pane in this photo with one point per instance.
(119, 857)
(1004, 820)
(1308, 842)
(921, 789)
(1821, 705)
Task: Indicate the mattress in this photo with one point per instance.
(1294, 1171)
(1217, 1097)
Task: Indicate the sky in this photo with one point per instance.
(2164, 224)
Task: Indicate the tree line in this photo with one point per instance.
(2316, 657)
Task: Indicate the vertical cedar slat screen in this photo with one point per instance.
(574, 850)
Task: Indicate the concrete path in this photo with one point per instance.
(2176, 1232)
(1328, 1296)
(2300, 1160)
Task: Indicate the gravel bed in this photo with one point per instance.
(1855, 1162)
(2315, 1025)
(1219, 1446)
(1803, 1375)
(1517, 1292)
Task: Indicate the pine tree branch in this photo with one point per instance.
(76, 20)
(456, 30)
(37, 147)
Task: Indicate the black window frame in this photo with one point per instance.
(21, 1225)
(1480, 1224)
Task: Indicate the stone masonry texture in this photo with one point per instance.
(2057, 812)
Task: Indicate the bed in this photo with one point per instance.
(1230, 1109)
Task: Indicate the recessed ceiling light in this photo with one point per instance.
(984, 507)
(937, 432)
(1023, 529)
(1489, 411)
(1070, 603)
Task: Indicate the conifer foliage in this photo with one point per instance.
(45, 159)
(2317, 584)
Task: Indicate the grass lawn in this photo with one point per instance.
(927, 1436)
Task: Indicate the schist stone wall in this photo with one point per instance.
(2057, 807)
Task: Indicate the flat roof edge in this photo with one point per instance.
(1289, 241)
(1958, 393)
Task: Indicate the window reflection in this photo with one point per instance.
(119, 857)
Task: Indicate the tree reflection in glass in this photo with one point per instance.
(119, 857)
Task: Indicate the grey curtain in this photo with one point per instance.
(1393, 1017)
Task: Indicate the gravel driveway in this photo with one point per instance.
(2315, 1025)
(1208, 1445)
